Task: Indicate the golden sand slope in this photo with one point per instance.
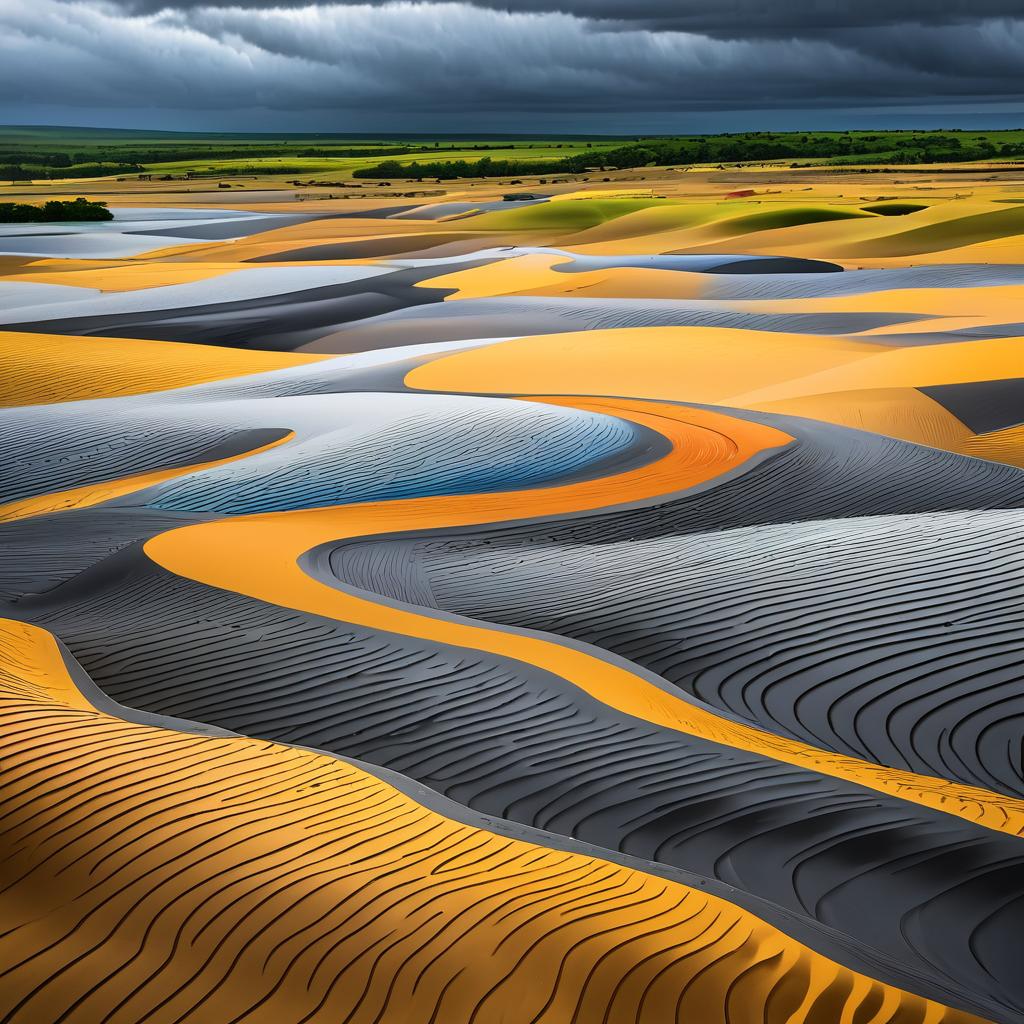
(519, 275)
(114, 275)
(39, 369)
(693, 364)
(988, 305)
(713, 365)
(536, 274)
(908, 414)
(1000, 445)
(181, 877)
(916, 366)
(905, 413)
(258, 556)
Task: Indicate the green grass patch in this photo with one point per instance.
(947, 234)
(894, 209)
(783, 217)
(561, 214)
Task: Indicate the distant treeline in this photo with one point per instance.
(242, 169)
(483, 168)
(30, 172)
(757, 147)
(173, 154)
(35, 166)
(897, 148)
(54, 210)
(32, 164)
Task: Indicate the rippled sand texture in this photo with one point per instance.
(604, 609)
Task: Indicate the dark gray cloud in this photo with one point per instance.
(424, 64)
(728, 19)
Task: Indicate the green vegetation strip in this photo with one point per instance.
(58, 153)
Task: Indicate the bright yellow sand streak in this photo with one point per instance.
(693, 364)
(258, 556)
(908, 414)
(993, 304)
(799, 374)
(40, 369)
(625, 283)
(161, 876)
(504, 277)
(96, 494)
(915, 366)
(117, 276)
(538, 274)
(905, 413)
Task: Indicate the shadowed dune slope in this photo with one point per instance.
(895, 639)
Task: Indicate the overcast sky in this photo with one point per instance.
(612, 66)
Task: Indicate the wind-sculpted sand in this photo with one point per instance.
(604, 607)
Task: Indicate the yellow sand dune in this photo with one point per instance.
(117, 276)
(967, 223)
(905, 413)
(520, 274)
(693, 364)
(914, 366)
(536, 274)
(38, 369)
(992, 304)
(1000, 445)
(626, 283)
(644, 231)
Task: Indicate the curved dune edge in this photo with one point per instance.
(41, 369)
(96, 494)
(258, 556)
(246, 880)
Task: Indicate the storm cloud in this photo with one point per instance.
(424, 64)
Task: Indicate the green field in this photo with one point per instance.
(341, 167)
(37, 153)
(28, 153)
